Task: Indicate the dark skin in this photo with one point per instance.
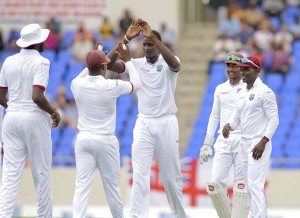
(132, 32)
(152, 47)
(249, 75)
(38, 96)
(122, 53)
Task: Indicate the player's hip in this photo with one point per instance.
(93, 143)
(27, 121)
(229, 145)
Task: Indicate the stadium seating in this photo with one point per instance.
(286, 143)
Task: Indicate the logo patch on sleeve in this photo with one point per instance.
(159, 68)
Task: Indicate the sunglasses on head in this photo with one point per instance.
(232, 58)
(246, 60)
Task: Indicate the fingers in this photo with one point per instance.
(55, 119)
(203, 157)
(99, 46)
(257, 153)
(225, 133)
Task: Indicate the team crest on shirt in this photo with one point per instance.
(239, 89)
(159, 68)
(251, 97)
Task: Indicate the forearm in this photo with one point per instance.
(272, 126)
(43, 104)
(3, 101)
(168, 56)
(234, 121)
(115, 65)
(133, 75)
(212, 126)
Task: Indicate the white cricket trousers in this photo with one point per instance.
(97, 152)
(26, 134)
(159, 136)
(227, 154)
(255, 172)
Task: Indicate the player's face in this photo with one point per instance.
(249, 74)
(233, 71)
(150, 50)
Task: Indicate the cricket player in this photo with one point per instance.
(156, 130)
(27, 123)
(97, 146)
(227, 151)
(257, 116)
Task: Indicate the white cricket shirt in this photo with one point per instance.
(257, 111)
(224, 106)
(96, 99)
(158, 84)
(19, 74)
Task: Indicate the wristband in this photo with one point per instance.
(125, 37)
(266, 138)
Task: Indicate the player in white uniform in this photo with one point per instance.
(257, 116)
(27, 123)
(227, 151)
(156, 129)
(97, 146)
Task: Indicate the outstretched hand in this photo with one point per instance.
(123, 52)
(133, 30)
(146, 29)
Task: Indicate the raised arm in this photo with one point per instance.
(124, 54)
(168, 56)
(133, 31)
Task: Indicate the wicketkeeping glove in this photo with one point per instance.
(206, 149)
(205, 152)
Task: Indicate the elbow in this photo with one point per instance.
(175, 67)
(137, 85)
(36, 99)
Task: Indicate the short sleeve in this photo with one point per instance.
(41, 76)
(122, 87)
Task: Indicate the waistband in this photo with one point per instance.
(164, 117)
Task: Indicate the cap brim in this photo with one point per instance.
(246, 65)
(44, 35)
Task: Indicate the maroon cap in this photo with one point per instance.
(96, 58)
(250, 62)
(230, 57)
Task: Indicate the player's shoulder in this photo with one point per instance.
(43, 61)
(11, 59)
(221, 86)
(266, 89)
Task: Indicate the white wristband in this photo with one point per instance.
(125, 37)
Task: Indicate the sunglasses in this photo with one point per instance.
(246, 60)
(232, 58)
